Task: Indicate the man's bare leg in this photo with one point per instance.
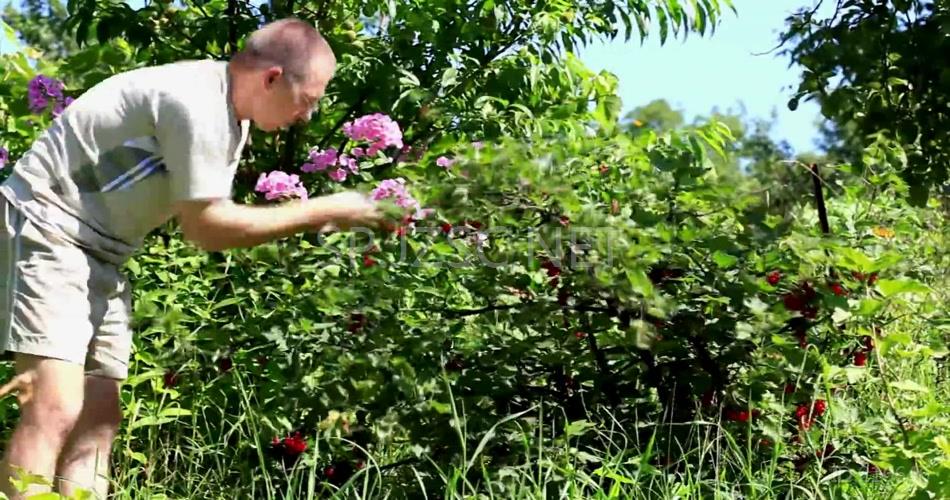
(51, 396)
(84, 461)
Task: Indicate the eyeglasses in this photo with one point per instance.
(300, 97)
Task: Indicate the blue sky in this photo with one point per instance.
(717, 70)
(720, 70)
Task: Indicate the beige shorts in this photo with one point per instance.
(58, 301)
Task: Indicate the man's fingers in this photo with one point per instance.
(22, 384)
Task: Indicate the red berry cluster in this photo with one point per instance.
(837, 289)
(356, 323)
(861, 355)
(553, 272)
(289, 448)
(871, 279)
(806, 414)
(802, 300)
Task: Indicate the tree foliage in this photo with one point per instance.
(878, 70)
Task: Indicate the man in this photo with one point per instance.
(132, 152)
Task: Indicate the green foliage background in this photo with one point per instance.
(616, 323)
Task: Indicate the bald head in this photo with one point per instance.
(292, 44)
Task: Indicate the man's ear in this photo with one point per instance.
(271, 74)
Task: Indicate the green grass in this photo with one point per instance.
(201, 456)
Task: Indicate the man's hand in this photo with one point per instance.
(217, 225)
(347, 210)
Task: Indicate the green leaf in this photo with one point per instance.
(174, 412)
(226, 302)
(724, 260)
(449, 77)
(578, 428)
(869, 307)
(910, 386)
(854, 259)
(893, 287)
(640, 282)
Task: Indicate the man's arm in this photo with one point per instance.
(216, 225)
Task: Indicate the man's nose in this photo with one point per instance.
(304, 116)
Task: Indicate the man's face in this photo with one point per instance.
(285, 102)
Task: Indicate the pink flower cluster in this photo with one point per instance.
(4, 157)
(321, 160)
(42, 90)
(444, 162)
(278, 184)
(396, 189)
(377, 129)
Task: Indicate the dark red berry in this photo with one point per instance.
(171, 379)
(793, 302)
(329, 472)
(773, 277)
(580, 335)
(868, 342)
(368, 261)
(838, 290)
(789, 388)
(552, 269)
(446, 228)
(872, 279)
(225, 364)
(860, 358)
(810, 312)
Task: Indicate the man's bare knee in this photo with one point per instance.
(102, 410)
(56, 397)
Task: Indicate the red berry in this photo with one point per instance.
(838, 290)
(820, 407)
(860, 358)
(773, 277)
(742, 416)
(446, 228)
(789, 388)
(804, 422)
(551, 268)
(368, 261)
(858, 276)
(801, 411)
(329, 472)
(765, 442)
(802, 339)
(793, 302)
(171, 379)
(872, 279)
(225, 364)
(580, 335)
(868, 342)
(810, 312)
